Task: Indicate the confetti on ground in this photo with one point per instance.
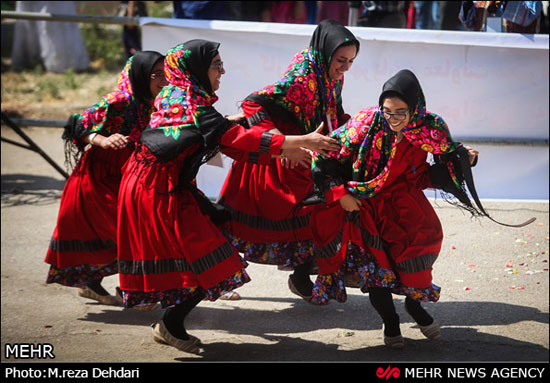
(467, 288)
(48, 326)
(453, 247)
(517, 288)
(459, 280)
(521, 241)
(349, 333)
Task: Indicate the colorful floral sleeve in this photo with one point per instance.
(102, 118)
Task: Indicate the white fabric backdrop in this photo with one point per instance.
(485, 85)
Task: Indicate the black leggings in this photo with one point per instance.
(174, 316)
(96, 287)
(382, 301)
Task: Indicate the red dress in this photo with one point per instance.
(168, 248)
(268, 224)
(392, 242)
(83, 245)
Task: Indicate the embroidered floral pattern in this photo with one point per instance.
(370, 145)
(81, 275)
(285, 254)
(118, 111)
(360, 269)
(306, 91)
(179, 104)
(173, 297)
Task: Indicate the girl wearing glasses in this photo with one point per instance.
(270, 225)
(83, 247)
(388, 235)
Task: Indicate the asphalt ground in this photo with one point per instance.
(493, 306)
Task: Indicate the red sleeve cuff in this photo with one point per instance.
(276, 146)
(335, 193)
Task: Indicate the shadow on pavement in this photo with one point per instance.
(24, 189)
(459, 340)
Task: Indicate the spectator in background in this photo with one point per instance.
(427, 14)
(312, 10)
(57, 45)
(249, 10)
(131, 34)
(293, 12)
(202, 10)
(383, 14)
(518, 16)
(522, 16)
(335, 10)
(448, 15)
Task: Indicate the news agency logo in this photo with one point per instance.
(389, 372)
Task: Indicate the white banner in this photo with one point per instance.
(485, 85)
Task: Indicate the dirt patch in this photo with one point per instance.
(51, 96)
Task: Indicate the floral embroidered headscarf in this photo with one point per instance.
(369, 136)
(127, 109)
(306, 93)
(183, 110)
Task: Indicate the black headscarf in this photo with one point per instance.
(140, 75)
(198, 62)
(405, 85)
(186, 118)
(290, 98)
(329, 36)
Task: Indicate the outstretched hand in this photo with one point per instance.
(236, 118)
(318, 142)
(297, 156)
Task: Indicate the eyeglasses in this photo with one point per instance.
(396, 116)
(218, 66)
(158, 74)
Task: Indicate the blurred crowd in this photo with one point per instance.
(53, 38)
(445, 15)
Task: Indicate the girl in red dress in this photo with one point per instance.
(170, 246)
(376, 229)
(83, 247)
(270, 225)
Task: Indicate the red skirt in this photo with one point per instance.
(268, 224)
(167, 248)
(396, 233)
(83, 245)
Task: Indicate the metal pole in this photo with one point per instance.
(32, 145)
(73, 18)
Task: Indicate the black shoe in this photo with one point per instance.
(299, 289)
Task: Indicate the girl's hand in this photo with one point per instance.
(236, 118)
(350, 203)
(291, 158)
(472, 154)
(114, 141)
(318, 142)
